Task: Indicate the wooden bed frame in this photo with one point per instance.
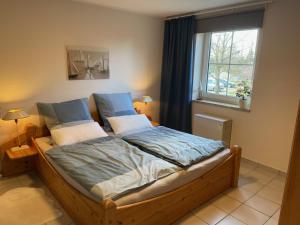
(162, 210)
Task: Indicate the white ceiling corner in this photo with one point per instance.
(163, 8)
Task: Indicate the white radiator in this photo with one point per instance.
(212, 127)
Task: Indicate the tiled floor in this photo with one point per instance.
(255, 202)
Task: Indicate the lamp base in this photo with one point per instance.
(18, 148)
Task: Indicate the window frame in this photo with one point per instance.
(204, 95)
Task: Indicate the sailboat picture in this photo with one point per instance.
(87, 63)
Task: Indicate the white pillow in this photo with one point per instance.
(122, 124)
(78, 133)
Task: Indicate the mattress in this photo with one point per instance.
(155, 189)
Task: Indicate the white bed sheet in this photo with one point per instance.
(159, 187)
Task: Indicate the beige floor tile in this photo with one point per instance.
(30, 180)
(190, 220)
(247, 166)
(210, 214)
(261, 175)
(263, 205)
(271, 222)
(62, 220)
(5, 181)
(276, 215)
(250, 184)
(7, 184)
(268, 184)
(248, 163)
(244, 171)
(230, 220)
(281, 176)
(267, 169)
(249, 216)
(277, 184)
(225, 203)
(271, 194)
(240, 194)
(56, 222)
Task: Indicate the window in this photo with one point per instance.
(225, 63)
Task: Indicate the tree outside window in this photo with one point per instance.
(231, 61)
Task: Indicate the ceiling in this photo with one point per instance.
(163, 8)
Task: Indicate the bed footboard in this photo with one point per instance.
(168, 208)
(161, 210)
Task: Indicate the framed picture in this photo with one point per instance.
(87, 63)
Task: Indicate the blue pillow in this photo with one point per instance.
(117, 104)
(65, 112)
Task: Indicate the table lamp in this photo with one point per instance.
(16, 114)
(147, 99)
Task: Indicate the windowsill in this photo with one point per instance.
(221, 104)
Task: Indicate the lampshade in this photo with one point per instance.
(15, 114)
(146, 99)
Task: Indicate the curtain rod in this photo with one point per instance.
(222, 9)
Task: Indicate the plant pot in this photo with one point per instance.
(242, 103)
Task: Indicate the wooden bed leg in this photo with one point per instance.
(237, 151)
(110, 212)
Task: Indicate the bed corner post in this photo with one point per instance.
(237, 152)
(110, 209)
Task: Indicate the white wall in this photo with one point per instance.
(33, 36)
(266, 133)
(34, 33)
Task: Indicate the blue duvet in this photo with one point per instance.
(174, 146)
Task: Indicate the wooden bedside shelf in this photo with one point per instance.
(21, 153)
(17, 162)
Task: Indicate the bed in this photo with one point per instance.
(143, 207)
(160, 203)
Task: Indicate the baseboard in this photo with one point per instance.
(257, 165)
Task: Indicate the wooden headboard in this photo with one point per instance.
(97, 118)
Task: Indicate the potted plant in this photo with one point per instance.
(243, 92)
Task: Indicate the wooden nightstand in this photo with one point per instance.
(155, 123)
(18, 162)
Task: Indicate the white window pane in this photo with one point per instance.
(244, 47)
(239, 75)
(220, 47)
(217, 79)
(227, 64)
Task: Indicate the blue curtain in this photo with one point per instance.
(177, 74)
